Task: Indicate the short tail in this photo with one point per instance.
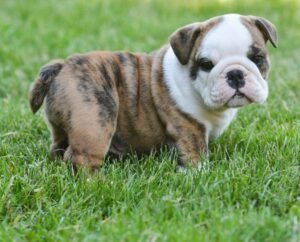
(41, 86)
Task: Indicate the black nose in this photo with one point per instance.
(235, 79)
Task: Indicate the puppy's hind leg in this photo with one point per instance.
(59, 142)
(92, 129)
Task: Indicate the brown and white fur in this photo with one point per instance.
(185, 93)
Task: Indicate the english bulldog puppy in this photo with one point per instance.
(185, 93)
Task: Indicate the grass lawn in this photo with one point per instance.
(251, 191)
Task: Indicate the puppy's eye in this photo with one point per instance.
(258, 60)
(205, 64)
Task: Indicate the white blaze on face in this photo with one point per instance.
(227, 45)
(230, 37)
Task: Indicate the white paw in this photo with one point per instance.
(181, 169)
(202, 167)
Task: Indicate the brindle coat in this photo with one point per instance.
(102, 102)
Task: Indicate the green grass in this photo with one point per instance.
(251, 191)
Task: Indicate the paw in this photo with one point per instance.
(181, 169)
(202, 167)
(57, 153)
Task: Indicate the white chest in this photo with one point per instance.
(218, 122)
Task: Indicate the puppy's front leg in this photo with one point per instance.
(190, 150)
(190, 139)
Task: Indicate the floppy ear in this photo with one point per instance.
(267, 29)
(183, 40)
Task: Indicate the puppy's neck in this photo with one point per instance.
(189, 101)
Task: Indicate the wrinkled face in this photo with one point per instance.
(230, 67)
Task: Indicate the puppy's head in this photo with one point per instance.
(226, 58)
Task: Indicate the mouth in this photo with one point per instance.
(238, 99)
(238, 94)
